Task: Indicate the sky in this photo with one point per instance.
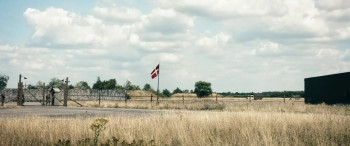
(236, 45)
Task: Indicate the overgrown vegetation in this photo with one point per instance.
(259, 125)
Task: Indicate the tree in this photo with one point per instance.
(177, 90)
(82, 85)
(186, 91)
(202, 89)
(166, 92)
(98, 85)
(129, 86)
(3, 81)
(70, 87)
(32, 87)
(147, 87)
(110, 84)
(55, 82)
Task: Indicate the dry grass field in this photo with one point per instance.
(237, 122)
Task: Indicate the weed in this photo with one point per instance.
(98, 126)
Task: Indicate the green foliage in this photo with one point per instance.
(130, 86)
(55, 82)
(31, 87)
(111, 84)
(70, 87)
(177, 90)
(3, 81)
(265, 94)
(147, 87)
(166, 93)
(186, 91)
(82, 85)
(202, 89)
(119, 87)
(98, 85)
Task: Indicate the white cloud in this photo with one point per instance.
(330, 5)
(246, 43)
(118, 14)
(166, 21)
(227, 9)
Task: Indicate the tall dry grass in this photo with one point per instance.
(224, 104)
(187, 128)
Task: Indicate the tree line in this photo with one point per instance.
(265, 94)
(201, 88)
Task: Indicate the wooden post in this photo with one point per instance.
(65, 93)
(216, 98)
(125, 98)
(2, 98)
(99, 98)
(284, 96)
(19, 91)
(44, 97)
(151, 98)
(183, 99)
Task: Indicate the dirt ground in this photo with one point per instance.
(35, 109)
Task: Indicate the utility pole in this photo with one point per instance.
(20, 91)
(66, 92)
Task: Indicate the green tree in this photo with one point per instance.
(31, 87)
(82, 85)
(177, 90)
(3, 81)
(119, 87)
(110, 84)
(166, 93)
(202, 89)
(55, 82)
(186, 91)
(70, 87)
(98, 85)
(147, 87)
(130, 86)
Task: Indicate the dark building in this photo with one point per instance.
(331, 89)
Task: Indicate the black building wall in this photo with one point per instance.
(331, 89)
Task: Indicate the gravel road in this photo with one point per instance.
(60, 111)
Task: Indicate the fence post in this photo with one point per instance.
(19, 91)
(151, 98)
(126, 97)
(99, 98)
(183, 99)
(284, 96)
(44, 99)
(2, 99)
(65, 98)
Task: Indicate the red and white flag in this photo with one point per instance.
(155, 72)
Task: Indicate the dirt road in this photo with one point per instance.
(60, 111)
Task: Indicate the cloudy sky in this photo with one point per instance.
(237, 45)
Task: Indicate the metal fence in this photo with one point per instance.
(38, 95)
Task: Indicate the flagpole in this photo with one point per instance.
(158, 83)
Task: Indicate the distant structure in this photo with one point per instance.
(258, 96)
(330, 89)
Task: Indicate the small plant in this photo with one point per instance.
(97, 127)
(181, 115)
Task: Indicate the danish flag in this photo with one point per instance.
(155, 72)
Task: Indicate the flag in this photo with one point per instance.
(155, 72)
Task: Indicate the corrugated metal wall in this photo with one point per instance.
(331, 89)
